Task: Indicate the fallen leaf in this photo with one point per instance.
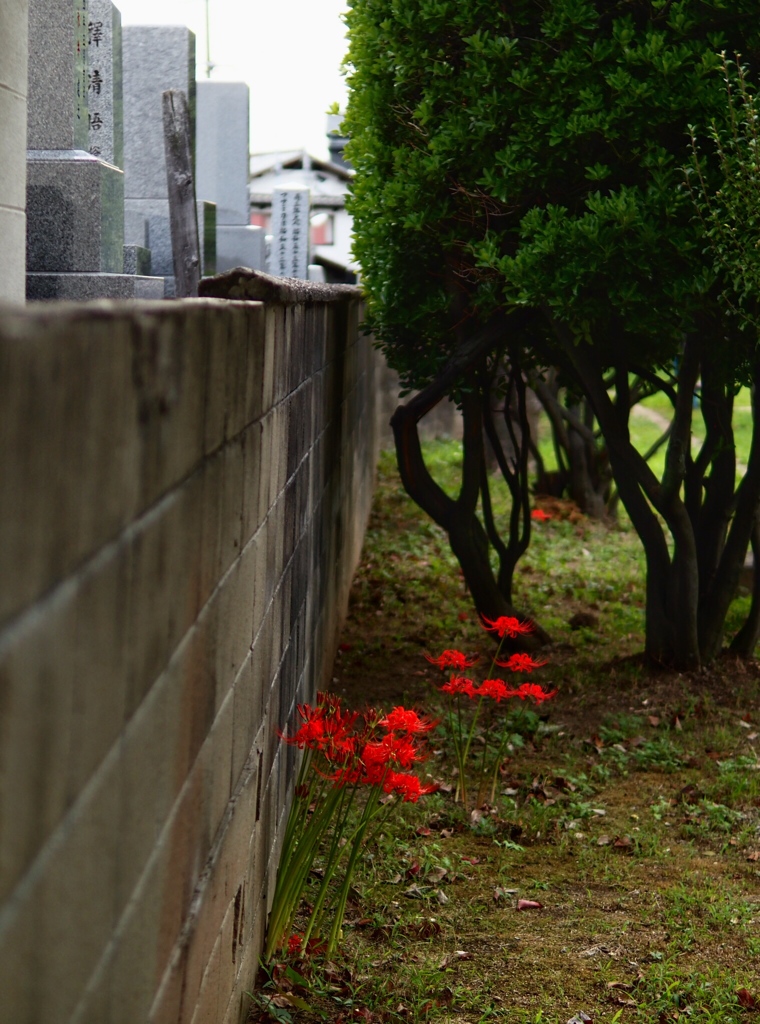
(603, 841)
(677, 724)
(653, 720)
(623, 843)
(441, 896)
(529, 905)
(422, 830)
(436, 875)
(471, 860)
(620, 984)
(747, 1000)
(581, 1018)
(446, 833)
(754, 856)
(624, 1001)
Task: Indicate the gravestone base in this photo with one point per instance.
(147, 224)
(240, 246)
(74, 220)
(81, 287)
(137, 260)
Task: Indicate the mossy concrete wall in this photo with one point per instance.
(183, 494)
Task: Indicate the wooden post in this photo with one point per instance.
(182, 209)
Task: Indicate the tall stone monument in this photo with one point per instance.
(290, 232)
(75, 199)
(13, 93)
(105, 99)
(222, 160)
(155, 59)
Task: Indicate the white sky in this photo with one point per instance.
(288, 51)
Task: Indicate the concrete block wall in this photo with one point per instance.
(14, 34)
(183, 494)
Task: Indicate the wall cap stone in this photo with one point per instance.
(242, 283)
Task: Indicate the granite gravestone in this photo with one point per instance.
(104, 83)
(156, 59)
(290, 232)
(222, 158)
(75, 220)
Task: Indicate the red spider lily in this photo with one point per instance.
(391, 751)
(325, 728)
(294, 943)
(495, 688)
(459, 685)
(408, 787)
(453, 659)
(521, 663)
(406, 720)
(532, 690)
(540, 516)
(507, 625)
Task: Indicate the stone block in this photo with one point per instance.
(63, 492)
(137, 260)
(207, 220)
(12, 255)
(235, 601)
(207, 1007)
(70, 894)
(35, 736)
(147, 222)
(246, 716)
(57, 75)
(13, 149)
(105, 96)
(220, 764)
(14, 46)
(223, 120)
(74, 214)
(251, 441)
(239, 246)
(155, 58)
(88, 287)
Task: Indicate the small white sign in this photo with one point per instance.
(290, 232)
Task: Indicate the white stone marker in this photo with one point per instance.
(290, 231)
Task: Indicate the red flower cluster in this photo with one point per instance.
(377, 752)
(540, 516)
(326, 728)
(534, 691)
(406, 720)
(452, 659)
(458, 684)
(507, 625)
(521, 663)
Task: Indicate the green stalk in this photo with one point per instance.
(333, 859)
(297, 867)
(340, 910)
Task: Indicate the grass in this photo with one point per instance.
(648, 419)
(629, 808)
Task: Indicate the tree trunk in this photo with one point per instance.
(458, 517)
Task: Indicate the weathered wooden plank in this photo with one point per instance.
(182, 208)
